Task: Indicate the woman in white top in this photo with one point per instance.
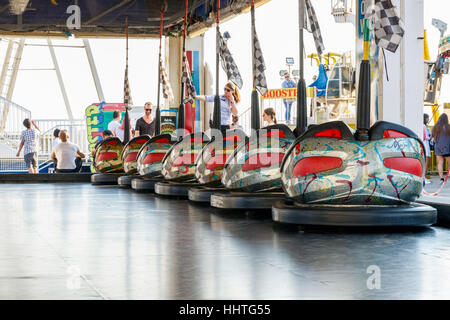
(269, 117)
(228, 104)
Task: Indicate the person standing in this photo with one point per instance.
(28, 143)
(115, 126)
(67, 155)
(287, 84)
(228, 104)
(145, 124)
(441, 136)
(426, 143)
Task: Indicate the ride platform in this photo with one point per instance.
(441, 202)
(126, 245)
(45, 177)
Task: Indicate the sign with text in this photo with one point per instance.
(290, 93)
(168, 125)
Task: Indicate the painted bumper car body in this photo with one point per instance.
(178, 164)
(107, 158)
(151, 155)
(130, 153)
(212, 159)
(255, 164)
(327, 165)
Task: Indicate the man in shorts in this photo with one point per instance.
(28, 143)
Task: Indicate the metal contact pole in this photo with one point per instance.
(302, 123)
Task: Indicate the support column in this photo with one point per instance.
(413, 62)
(173, 55)
(60, 80)
(90, 57)
(196, 46)
(403, 93)
(9, 77)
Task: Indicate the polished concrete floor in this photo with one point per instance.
(77, 241)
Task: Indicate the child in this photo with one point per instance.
(28, 143)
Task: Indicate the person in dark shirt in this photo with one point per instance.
(145, 124)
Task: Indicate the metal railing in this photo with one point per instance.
(9, 162)
(47, 124)
(77, 135)
(16, 114)
(280, 112)
(11, 132)
(244, 120)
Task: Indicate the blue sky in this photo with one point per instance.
(276, 27)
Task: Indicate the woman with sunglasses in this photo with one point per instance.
(145, 124)
(228, 104)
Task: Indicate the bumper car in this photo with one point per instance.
(367, 178)
(252, 173)
(108, 162)
(331, 178)
(129, 160)
(149, 162)
(178, 166)
(211, 163)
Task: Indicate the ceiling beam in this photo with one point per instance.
(104, 13)
(4, 8)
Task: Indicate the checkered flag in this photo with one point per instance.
(127, 100)
(259, 77)
(187, 80)
(312, 25)
(388, 27)
(228, 64)
(167, 89)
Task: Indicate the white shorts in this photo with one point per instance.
(427, 148)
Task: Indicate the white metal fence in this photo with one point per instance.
(10, 136)
(77, 134)
(13, 126)
(280, 111)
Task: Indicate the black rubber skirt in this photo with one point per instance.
(203, 194)
(413, 215)
(125, 181)
(244, 200)
(105, 179)
(143, 185)
(174, 189)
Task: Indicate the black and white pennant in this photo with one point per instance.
(259, 76)
(187, 79)
(312, 26)
(388, 27)
(166, 87)
(127, 100)
(228, 63)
